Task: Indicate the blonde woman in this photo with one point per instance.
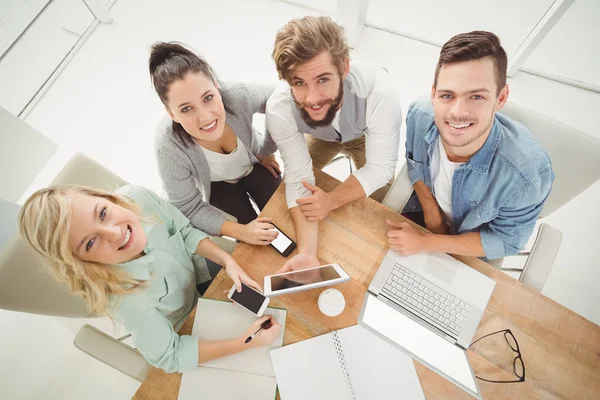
(129, 255)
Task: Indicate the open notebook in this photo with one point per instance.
(245, 375)
(351, 363)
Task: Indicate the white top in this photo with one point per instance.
(336, 120)
(228, 167)
(442, 172)
(382, 135)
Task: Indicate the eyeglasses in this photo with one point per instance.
(518, 365)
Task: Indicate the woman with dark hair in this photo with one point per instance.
(210, 158)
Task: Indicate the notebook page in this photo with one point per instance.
(310, 370)
(216, 320)
(377, 369)
(209, 383)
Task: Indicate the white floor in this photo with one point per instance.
(103, 105)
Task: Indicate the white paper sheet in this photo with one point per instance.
(228, 321)
(311, 369)
(209, 383)
(245, 375)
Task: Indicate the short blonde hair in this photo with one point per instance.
(44, 222)
(300, 40)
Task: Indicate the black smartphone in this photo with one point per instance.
(250, 299)
(283, 244)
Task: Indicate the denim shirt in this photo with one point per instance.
(153, 314)
(499, 192)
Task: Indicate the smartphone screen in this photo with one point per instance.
(301, 278)
(248, 298)
(281, 242)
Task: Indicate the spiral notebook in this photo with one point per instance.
(245, 375)
(351, 363)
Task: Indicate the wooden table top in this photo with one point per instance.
(560, 349)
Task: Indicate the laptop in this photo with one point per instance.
(429, 305)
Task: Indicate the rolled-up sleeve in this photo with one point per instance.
(297, 163)
(382, 137)
(153, 335)
(508, 233)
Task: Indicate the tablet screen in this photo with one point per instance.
(304, 277)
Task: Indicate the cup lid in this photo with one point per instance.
(331, 302)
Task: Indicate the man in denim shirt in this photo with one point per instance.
(480, 178)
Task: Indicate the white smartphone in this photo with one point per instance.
(306, 279)
(249, 299)
(282, 243)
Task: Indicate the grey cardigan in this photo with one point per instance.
(184, 171)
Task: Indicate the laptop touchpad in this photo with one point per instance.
(440, 271)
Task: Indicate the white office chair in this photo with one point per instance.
(564, 145)
(25, 286)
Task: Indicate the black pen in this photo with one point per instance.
(264, 325)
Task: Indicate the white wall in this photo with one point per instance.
(39, 51)
(15, 17)
(572, 48)
(436, 21)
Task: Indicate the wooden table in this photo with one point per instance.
(561, 350)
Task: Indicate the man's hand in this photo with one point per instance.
(317, 206)
(404, 239)
(271, 164)
(299, 262)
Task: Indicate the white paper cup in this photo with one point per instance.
(331, 302)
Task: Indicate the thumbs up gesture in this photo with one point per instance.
(316, 206)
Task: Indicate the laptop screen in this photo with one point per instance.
(445, 358)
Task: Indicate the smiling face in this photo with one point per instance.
(317, 88)
(104, 232)
(196, 104)
(464, 103)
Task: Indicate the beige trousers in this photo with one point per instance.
(322, 152)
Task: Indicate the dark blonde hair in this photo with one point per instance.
(300, 40)
(44, 222)
(474, 46)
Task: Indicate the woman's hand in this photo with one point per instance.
(258, 232)
(239, 276)
(266, 336)
(271, 164)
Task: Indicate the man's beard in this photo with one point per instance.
(329, 117)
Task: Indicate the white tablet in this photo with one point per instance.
(306, 279)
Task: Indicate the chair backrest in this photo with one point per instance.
(25, 285)
(400, 192)
(575, 156)
(542, 256)
(21, 142)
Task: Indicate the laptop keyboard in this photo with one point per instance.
(436, 306)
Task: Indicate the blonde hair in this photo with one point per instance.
(44, 222)
(302, 39)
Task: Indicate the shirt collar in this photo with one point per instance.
(482, 159)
